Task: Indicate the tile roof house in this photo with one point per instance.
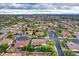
(22, 41)
(9, 41)
(73, 46)
(39, 33)
(37, 42)
(29, 32)
(66, 33)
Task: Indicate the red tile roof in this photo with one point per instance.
(22, 43)
(72, 46)
(66, 33)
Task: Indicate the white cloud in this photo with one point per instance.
(16, 5)
(39, 1)
(42, 9)
(9, 11)
(75, 8)
(40, 6)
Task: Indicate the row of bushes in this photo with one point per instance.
(43, 48)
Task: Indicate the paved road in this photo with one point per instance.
(52, 35)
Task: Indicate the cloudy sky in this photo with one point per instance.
(39, 8)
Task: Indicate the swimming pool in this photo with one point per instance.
(22, 38)
(75, 41)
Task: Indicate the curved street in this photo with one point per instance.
(53, 35)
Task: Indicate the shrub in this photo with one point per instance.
(69, 53)
(3, 47)
(29, 48)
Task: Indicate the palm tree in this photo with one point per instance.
(11, 36)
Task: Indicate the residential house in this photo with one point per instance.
(39, 33)
(6, 40)
(37, 42)
(22, 41)
(73, 46)
(66, 33)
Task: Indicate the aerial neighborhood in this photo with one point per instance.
(39, 35)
